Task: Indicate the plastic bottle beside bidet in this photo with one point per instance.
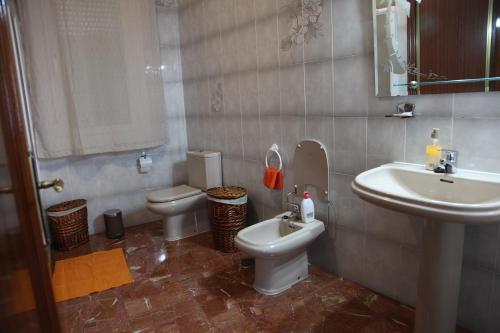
(307, 208)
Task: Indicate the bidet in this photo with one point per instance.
(279, 247)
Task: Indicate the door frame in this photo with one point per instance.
(24, 190)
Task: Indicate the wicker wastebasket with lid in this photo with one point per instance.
(228, 212)
(68, 224)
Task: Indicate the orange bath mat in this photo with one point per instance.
(90, 273)
(22, 293)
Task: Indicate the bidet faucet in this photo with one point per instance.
(293, 207)
(448, 163)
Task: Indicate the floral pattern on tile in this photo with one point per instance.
(167, 3)
(217, 98)
(304, 23)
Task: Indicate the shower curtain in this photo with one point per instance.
(94, 75)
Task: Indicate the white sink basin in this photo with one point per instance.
(465, 197)
(447, 202)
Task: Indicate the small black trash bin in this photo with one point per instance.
(114, 223)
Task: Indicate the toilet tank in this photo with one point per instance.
(204, 169)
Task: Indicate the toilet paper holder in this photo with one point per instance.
(144, 163)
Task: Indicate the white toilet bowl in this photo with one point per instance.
(184, 210)
(280, 252)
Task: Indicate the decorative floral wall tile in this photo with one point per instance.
(167, 3)
(217, 97)
(304, 23)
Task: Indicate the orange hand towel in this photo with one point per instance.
(279, 181)
(273, 178)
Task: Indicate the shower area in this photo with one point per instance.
(102, 82)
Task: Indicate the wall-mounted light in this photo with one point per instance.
(498, 23)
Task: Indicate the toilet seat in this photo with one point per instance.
(172, 194)
(184, 210)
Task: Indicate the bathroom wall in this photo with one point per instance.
(258, 72)
(111, 180)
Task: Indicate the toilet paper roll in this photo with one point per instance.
(144, 164)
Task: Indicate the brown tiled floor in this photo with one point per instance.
(187, 286)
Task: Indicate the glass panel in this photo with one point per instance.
(17, 303)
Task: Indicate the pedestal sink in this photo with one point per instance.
(448, 202)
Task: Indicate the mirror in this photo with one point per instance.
(436, 46)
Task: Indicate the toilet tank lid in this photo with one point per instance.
(204, 153)
(173, 193)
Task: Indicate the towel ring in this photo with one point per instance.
(274, 149)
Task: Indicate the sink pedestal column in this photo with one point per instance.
(439, 277)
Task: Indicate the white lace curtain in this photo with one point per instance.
(94, 75)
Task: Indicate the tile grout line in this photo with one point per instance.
(261, 193)
(205, 75)
(331, 207)
(236, 17)
(223, 75)
(452, 125)
(277, 9)
(258, 66)
(366, 143)
(304, 76)
(405, 138)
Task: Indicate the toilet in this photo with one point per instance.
(279, 248)
(279, 245)
(184, 208)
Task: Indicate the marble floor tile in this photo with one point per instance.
(187, 286)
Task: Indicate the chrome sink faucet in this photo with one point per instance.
(448, 163)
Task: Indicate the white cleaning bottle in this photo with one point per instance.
(307, 208)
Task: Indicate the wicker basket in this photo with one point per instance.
(228, 211)
(68, 224)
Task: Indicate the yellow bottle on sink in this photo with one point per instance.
(433, 151)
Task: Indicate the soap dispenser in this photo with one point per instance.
(433, 151)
